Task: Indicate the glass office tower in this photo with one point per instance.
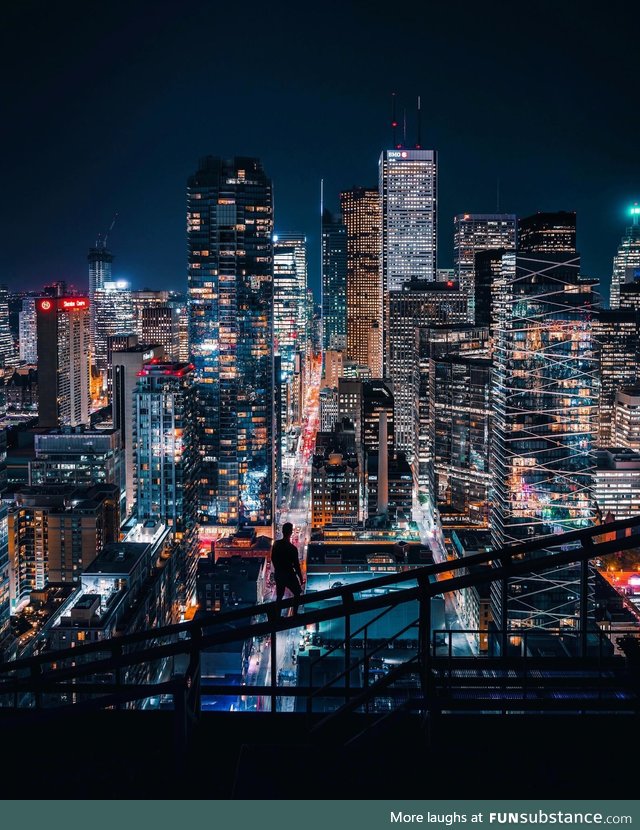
(545, 397)
(334, 282)
(230, 281)
(475, 232)
(408, 186)
(361, 215)
(626, 262)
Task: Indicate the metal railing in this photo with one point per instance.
(132, 669)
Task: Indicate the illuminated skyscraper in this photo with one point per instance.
(113, 314)
(7, 348)
(63, 361)
(626, 262)
(460, 420)
(408, 186)
(615, 334)
(160, 323)
(230, 280)
(334, 282)
(125, 366)
(286, 305)
(167, 460)
(28, 333)
(545, 405)
(418, 303)
(361, 215)
(297, 244)
(145, 299)
(548, 233)
(627, 418)
(474, 232)
(100, 262)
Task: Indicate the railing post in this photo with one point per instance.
(116, 653)
(274, 672)
(504, 612)
(424, 632)
(366, 661)
(195, 670)
(346, 602)
(584, 599)
(180, 726)
(36, 674)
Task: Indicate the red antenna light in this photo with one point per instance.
(394, 123)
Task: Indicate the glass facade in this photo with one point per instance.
(545, 396)
(113, 311)
(418, 304)
(460, 397)
(334, 282)
(616, 337)
(100, 267)
(167, 462)
(230, 281)
(28, 336)
(289, 316)
(626, 262)
(474, 232)
(361, 216)
(408, 186)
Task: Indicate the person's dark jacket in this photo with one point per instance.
(284, 558)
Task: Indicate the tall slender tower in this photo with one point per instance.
(361, 215)
(408, 186)
(545, 405)
(230, 280)
(7, 348)
(167, 460)
(100, 261)
(626, 262)
(334, 282)
(28, 337)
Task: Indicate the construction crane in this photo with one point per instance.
(102, 240)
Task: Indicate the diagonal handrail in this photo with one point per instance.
(201, 628)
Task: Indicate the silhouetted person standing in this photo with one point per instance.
(286, 567)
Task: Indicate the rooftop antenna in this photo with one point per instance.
(404, 127)
(635, 212)
(419, 141)
(394, 123)
(498, 195)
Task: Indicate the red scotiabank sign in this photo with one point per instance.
(64, 303)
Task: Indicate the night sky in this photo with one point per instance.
(108, 107)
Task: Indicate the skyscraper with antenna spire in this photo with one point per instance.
(408, 186)
(626, 262)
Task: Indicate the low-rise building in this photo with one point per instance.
(617, 482)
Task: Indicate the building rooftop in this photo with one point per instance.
(117, 558)
(617, 458)
(362, 553)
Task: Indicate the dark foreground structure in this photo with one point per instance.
(538, 714)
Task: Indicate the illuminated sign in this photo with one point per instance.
(65, 303)
(72, 304)
(397, 154)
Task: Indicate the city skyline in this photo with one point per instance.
(123, 78)
(340, 276)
